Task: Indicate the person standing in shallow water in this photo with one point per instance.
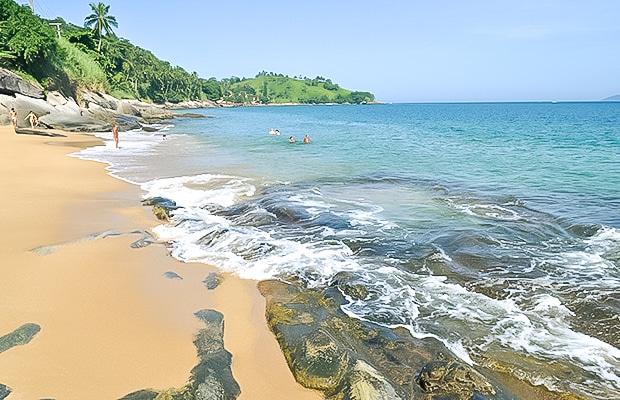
(307, 139)
(115, 134)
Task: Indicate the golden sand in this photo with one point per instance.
(111, 322)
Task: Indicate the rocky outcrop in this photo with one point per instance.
(349, 359)
(11, 83)
(92, 112)
(19, 337)
(5, 391)
(212, 378)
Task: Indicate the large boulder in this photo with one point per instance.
(11, 84)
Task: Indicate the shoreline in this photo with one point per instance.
(111, 322)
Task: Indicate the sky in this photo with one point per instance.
(400, 50)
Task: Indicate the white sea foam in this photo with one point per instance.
(132, 144)
(200, 190)
(489, 211)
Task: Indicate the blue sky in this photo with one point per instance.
(402, 51)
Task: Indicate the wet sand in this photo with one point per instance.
(111, 322)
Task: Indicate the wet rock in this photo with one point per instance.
(453, 378)
(349, 359)
(161, 213)
(162, 207)
(145, 240)
(365, 383)
(141, 395)
(345, 281)
(320, 362)
(172, 275)
(21, 336)
(4, 391)
(213, 280)
(212, 378)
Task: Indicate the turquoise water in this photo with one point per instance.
(492, 227)
(563, 155)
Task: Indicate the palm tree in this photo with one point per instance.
(100, 21)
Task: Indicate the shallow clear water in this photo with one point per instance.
(493, 227)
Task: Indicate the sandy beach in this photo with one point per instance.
(111, 322)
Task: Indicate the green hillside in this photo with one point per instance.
(272, 88)
(93, 58)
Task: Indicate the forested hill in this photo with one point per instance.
(94, 59)
(272, 88)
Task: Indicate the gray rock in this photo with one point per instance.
(213, 280)
(147, 239)
(212, 378)
(172, 275)
(11, 84)
(5, 391)
(93, 112)
(20, 336)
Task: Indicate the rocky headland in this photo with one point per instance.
(90, 112)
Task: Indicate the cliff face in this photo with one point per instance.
(96, 112)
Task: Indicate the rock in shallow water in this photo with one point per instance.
(349, 359)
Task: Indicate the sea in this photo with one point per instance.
(493, 227)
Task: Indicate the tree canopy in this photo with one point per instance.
(27, 43)
(100, 21)
(92, 57)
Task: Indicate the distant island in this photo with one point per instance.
(70, 59)
(612, 98)
(272, 88)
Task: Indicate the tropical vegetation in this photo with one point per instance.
(100, 21)
(93, 58)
